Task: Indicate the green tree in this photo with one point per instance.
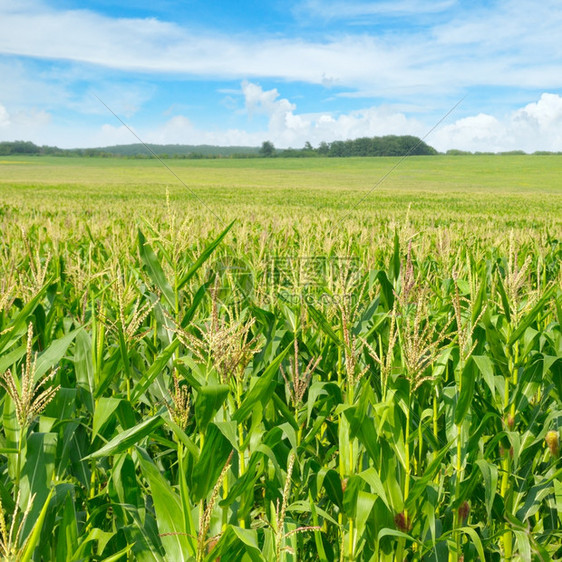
(267, 149)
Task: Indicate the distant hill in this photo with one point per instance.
(203, 150)
(388, 145)
(137, 150)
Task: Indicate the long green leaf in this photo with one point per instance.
(504, 298)
(128, 438)
(429, 473)
(475, 541)
(37, 474)
(531, 316)
(204, 256)
(236, 544)
(169, 517)
(208, 402)
(18, 326)
(212, 459)
(371, 476)
(486, 368)
(490, 475)
(33, 539)
(53, 354)
(468, 377)
(6, 361)
(262, 390)
(105, 408)
(197, 299)
(154, 270)
(83, 362)
(155, 369)
(323, 323)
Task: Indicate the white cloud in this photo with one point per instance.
(110, 135)
(415, 70)
(537, 126)
(24, 125)
(543, 115)
(470, 133)
(285, 126)
(24, 87)
(514, 43)
(180, 130)
(149, 45)
(27, 88)
(264, 102)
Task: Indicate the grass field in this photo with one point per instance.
(281, 359)
(495, 191)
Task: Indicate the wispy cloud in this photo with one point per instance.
(516, 44)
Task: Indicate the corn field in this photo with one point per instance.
(176, 391)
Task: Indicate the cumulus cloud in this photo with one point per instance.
(286, 127)
(542, 115)
(265, 102)
(283, 125)
(267, 115)
(537, 126)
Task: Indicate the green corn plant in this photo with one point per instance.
(172, 388)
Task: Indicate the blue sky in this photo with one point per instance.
(239, 73)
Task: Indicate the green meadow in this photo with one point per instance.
(335, 359)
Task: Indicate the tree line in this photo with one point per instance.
(388, 145)
(135, 151)
(9, 148)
